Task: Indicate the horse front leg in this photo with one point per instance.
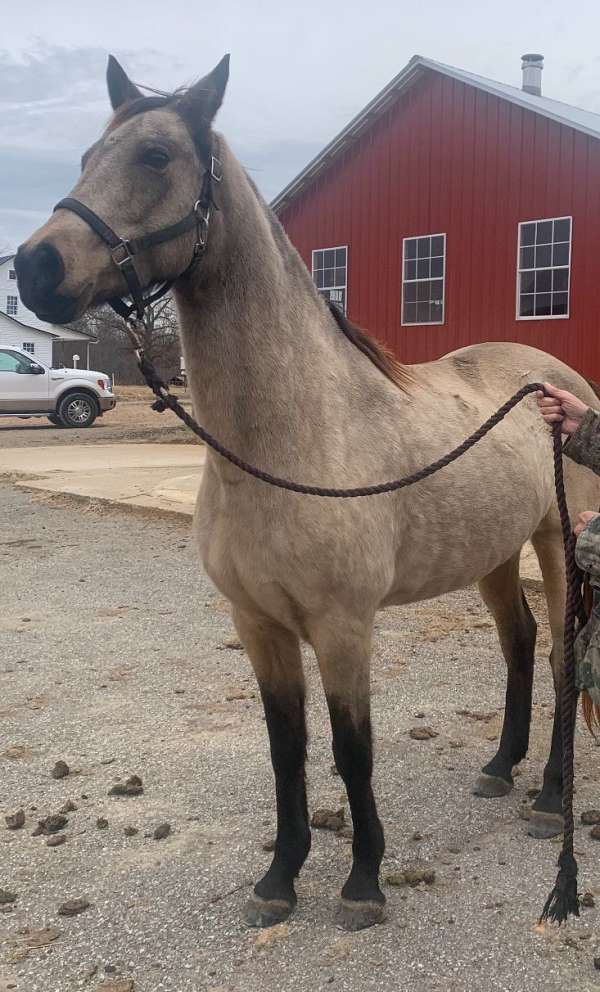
(343, 655)
(275, 656)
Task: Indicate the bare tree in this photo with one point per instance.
(114, 352)
(160, 334)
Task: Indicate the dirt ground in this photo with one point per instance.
(131, 420)
(119, 658)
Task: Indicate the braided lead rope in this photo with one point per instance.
(563, 899)
(166, 399)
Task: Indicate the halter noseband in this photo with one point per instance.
(123, 249)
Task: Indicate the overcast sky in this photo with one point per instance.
(299, 72)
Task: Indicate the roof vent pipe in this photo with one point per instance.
(532, 66)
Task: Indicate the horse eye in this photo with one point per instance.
(156, 158)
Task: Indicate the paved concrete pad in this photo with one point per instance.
(153, 476)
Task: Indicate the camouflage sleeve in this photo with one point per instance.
(584, 445)
(587, 551)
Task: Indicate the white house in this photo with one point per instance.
(21, 328)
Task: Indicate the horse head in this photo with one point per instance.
(142, 178)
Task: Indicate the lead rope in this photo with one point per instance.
(563, 900)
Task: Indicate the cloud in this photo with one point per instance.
(299, 74)
(274, 164)
(53, 104)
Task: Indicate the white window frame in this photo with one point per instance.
(345, 286)
(427, 323)
(549, 316)
(12, 301)
(12, 274)
(28, 347)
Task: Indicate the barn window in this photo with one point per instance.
(12, 305)
(329, 272)
(544, 268)
(423, 276)
(29, 347)
(12, 274)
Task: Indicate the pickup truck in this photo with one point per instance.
(68, 397)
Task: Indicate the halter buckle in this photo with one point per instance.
(216, 170)
(125, 256)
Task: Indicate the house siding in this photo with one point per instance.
(14, 335)
(449, 158)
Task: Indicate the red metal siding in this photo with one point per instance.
(449, 158)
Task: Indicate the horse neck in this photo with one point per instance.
(259, 346)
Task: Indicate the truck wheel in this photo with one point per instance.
(77, 410)
(55, 420)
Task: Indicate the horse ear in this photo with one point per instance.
(120, 88)
(201, 102)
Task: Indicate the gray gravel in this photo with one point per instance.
(114, 661)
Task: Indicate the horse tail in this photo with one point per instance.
(591, 712)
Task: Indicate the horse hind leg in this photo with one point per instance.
(503, 595)
(546, 817)
(276, 659)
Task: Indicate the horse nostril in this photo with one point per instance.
(51, 265)
(39, 271)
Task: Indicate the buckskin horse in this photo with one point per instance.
(271, 375)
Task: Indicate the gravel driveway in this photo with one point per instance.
(119, 659)
(131, 420)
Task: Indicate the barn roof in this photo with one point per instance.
(5, 258)
(562, 113)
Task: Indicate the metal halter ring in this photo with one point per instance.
(202, 222)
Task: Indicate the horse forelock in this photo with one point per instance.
(139, 105)
(199, 130)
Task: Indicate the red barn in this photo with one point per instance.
(454, 209)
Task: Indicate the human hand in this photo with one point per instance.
(583, 520)
(561, 407)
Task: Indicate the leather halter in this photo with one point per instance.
(124, 249)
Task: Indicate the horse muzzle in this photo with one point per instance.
(40, 272)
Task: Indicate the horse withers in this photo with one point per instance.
(272, 376)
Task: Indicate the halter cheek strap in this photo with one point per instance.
(123, 250)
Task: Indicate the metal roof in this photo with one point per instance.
(5, 258)
(29, 327)
(563, 113)
(75, 335)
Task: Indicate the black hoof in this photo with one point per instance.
(352, 915)
(491, 786)
(266, 912)
(544, 825)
